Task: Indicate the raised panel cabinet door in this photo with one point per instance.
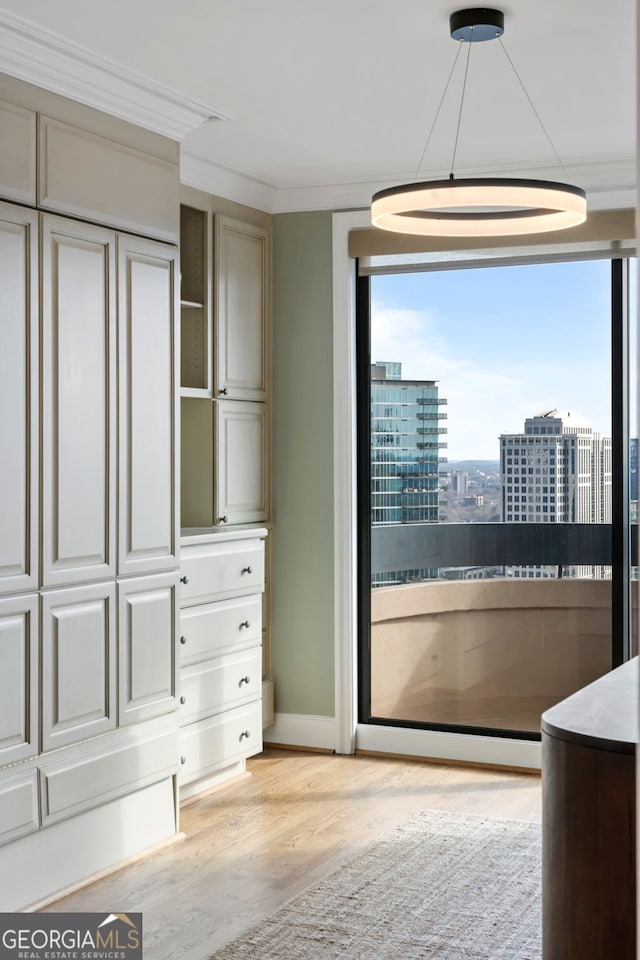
(78, 663)
(105, 180)
(79, 402)
(148, 406)
(19, 402)
(18, 678)
(241, 489)
(18, 154)
(242, 309)
(147, 631)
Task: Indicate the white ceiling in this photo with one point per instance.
(330, 101)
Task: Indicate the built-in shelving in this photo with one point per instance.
(195, 312)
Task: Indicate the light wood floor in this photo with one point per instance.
(251, 845)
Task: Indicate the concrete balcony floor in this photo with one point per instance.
(489, 653)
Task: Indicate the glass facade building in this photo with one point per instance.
(406, 441)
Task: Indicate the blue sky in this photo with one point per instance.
(504, 343)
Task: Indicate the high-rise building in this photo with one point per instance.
(406, 440)
(557, 471)
(459, 481)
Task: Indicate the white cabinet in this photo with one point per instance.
(220, 684)
(241, 489)
(148, 621)
(221, 568)
(19, 813)
(224, 470)
(88, 774)
(19, 398)
(196, 330)
(148, 371)
(103, 179)
(208, 747)
(220, 656)
(242, 309)
(78, 663)
(79, 401)
(18, 154)
(88, 492)
(18, 678)
(225, 369)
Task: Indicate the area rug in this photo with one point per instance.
(443, 886)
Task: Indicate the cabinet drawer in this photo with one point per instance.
(18, 804)
(210, 628)
(214, 571)
(212, 744)
(216, 685)
(92, 773)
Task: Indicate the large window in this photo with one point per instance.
(496, 474)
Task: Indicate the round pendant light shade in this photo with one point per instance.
(491, 207)
(479, 207)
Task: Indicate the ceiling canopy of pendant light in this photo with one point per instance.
(479, 207)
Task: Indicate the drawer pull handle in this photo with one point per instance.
(245, 623)
(183, 760)
(183, 700)
(224, 391)
(247, 570)
(184, 579)
(183, 640)
(223, 519)
(245, 733)
(244, 680)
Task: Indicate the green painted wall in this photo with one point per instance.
(302, 656)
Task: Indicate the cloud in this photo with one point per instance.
(483, 400)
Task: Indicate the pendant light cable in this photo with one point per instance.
(464, 87)
(531, 104)
(435, 119)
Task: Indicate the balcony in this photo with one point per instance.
(496, 652)
(488, 653)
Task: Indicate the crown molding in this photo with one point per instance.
(198, 172)
(44, 58)
(610, 185)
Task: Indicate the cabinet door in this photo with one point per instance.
(78, 664)
(148, 387)
(79, 402)
(241, 489)
(18, 154)
(147, 631)
(18, 399)
(18, 678)
(242, 309)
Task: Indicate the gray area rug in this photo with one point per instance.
(443, 885)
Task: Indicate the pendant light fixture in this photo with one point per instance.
(478, 207)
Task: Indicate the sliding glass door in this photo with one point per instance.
(495, 487)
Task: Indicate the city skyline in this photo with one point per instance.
(504, 343)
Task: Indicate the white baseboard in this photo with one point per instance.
(434, 745)
(299, 730)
